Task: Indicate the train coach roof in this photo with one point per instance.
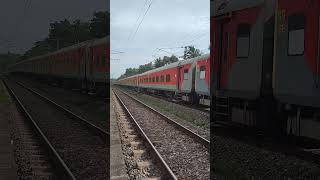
(219, 7)
(176, 64)
(91, 42)
(172, 65)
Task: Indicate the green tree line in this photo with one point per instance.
(66, 33)
(62, 34)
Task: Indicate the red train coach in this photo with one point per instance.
(242, 52)
(266, 64)
(296, 67)
(84, 65)
(187, 80)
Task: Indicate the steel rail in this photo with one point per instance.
(164, 165)
(202, 108)
(57, 160)
(102, 133)
(189, 132)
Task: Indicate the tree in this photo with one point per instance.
(173, 59)
(65, 33)
(145, 68)
(165, 60)
(81, 32)
(158, 63)
(191, 52)
(68, 33)
(100, 24)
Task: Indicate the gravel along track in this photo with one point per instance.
(194, 119)
(94, 109)
(133, 149)
(250, 162)
(187, 158)
(31, 158)
(84, 153)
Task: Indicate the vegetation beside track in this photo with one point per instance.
(171, 108)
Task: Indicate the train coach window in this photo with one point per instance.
(149, 79)
(185, 74)
(296, 26)
(153, 79)
(161, 78)
(202, 72)
(168, 78)
(157, 78)
(243, 41)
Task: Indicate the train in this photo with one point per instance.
(83, 66)
(188, 80)
(265, 65)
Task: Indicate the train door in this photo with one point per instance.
(84, 67)
(90, 59)
(178, 78)
(193, 77)
(318, 54)
(267, 58)
(222, 56)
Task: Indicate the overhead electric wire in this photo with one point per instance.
(140, 14)
(142, 19)
(192, 33)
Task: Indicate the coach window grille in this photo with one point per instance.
(168, 78)
(243, 41)
(153, 79)
(296, 39)
(161, 78)
(185, 74)
(157, 78)
(202, 72)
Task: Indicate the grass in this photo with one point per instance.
(167, 108)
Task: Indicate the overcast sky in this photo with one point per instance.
(167, 24)
(20, 28)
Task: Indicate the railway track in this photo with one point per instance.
(77, 147)
(201, 108)
(140, 153)
(91, 108)
(185, 152)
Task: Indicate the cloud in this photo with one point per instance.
(167, 24)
